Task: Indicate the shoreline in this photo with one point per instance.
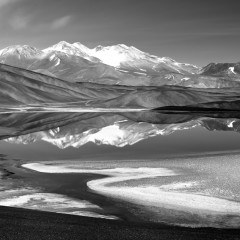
(74, 187)
(204, 211)
(18, 224)
(83, 185)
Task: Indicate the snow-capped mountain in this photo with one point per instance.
(222, 69)
(131, 58)
(76, 49)
(121, 56)
(20, 56)
(19, 50)
(117, 55)
(117, 65)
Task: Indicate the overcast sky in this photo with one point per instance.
(193, 31)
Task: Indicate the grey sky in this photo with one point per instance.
(194, 31)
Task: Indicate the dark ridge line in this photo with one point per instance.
(193, 109)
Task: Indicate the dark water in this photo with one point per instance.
(180, 169)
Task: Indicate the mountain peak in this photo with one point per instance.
(99, 48)
(75, 49)
(81, 47)
(63, 42)
(77, 44)
(20, 49)
(116, 55)
(60, 46)
(122, 46)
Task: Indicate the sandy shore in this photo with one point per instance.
(200, 210)
(18, 224)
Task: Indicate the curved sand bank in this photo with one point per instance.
(31, 199)
(38, 197)
(213, 211)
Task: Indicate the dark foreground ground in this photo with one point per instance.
(17, 224)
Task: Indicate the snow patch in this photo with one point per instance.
(232, 70)
(231, 124)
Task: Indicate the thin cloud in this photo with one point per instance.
(10, 14)
(20, 21)
(61, 22)
(4, 3)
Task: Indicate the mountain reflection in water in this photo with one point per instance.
(117, 129)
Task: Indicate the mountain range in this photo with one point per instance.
(118, 65)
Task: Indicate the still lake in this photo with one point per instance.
(132, 171)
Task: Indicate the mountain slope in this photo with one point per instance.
(22, 89)
(27, 87)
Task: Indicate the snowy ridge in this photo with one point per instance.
(76, 49)
(18, 49)
(118, 65)
(118, 56)
(111, 55)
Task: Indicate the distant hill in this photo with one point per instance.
(26, 90)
